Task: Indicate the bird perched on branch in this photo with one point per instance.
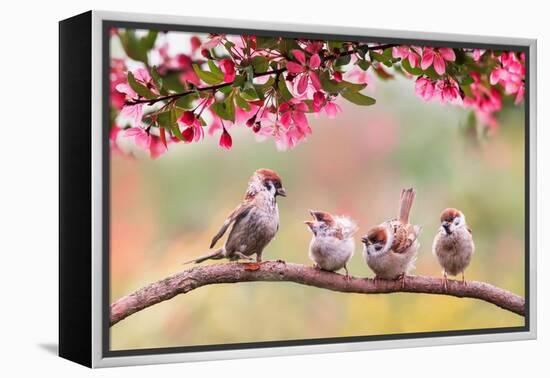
(453, 244)
(253, 223)
(332, 243)
(391, 247)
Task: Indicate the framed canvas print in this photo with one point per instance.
(233, 189)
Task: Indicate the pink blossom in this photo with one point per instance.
(448, 90)
(406, 52)
(135, 111)
(228, 68)
(425, 88)
(144, 140)
(117, 76)
(225, 140)
(313, 47)
(477, 53)
(332, 109)
(305, 70)
(293, 113)
(510, 75)
(195, 44)
(193, 131)
(213, 41)
(437, 57)
(321, 101)
(114, 132)
(484, 101)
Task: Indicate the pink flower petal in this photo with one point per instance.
(156, 147)
(294, 67)
(126, 89)
(300, 119)
(302, 84)
(314, 61)
(427, 58)
(332, 109)
(413, 59)
(225, 140)
(286, 119)
(447, 54)
(315, 80)
(439, 64)
(300, 56)
(142, 74)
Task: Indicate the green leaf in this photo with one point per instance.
(137, 48)
(214, 69)
(208, 77)
(260, 64)
(187, 102)
(363, 64)
(239, 81)
(328, 84)
(333, 45)
(342, 61)
(225, 109)
(132, 46)
(380, 57)
(467, 80)
(346, 85)
(415, 71)
(148, 42)
(157, 79)
(166, 119)
(283, 90)
(140, 89)
(241, 103)
(358, 98)
(334, 87)
(266, 42)
(250, 94)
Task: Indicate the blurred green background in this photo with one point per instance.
(165, 212)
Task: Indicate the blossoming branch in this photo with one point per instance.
(270, 85)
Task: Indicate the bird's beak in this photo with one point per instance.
(281, 192)
(446, 226)
(309, 224)
(365, 240)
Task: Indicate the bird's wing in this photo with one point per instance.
(239, 212)
(404, 236)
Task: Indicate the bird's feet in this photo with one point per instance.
(445, 282)
(347, 276)
(402, 278)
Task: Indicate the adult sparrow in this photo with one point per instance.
(453, 244)
(332, 244)
(391, 247)
(253, 223)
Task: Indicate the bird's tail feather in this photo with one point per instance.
(216, 255)
(405, 205)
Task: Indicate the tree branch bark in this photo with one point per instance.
(278, 271)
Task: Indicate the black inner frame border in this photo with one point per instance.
(105, 291)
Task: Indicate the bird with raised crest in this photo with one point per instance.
(332, 244)
(453, 244)
(391, 248)
(254, 222)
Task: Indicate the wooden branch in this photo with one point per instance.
(278, 271)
